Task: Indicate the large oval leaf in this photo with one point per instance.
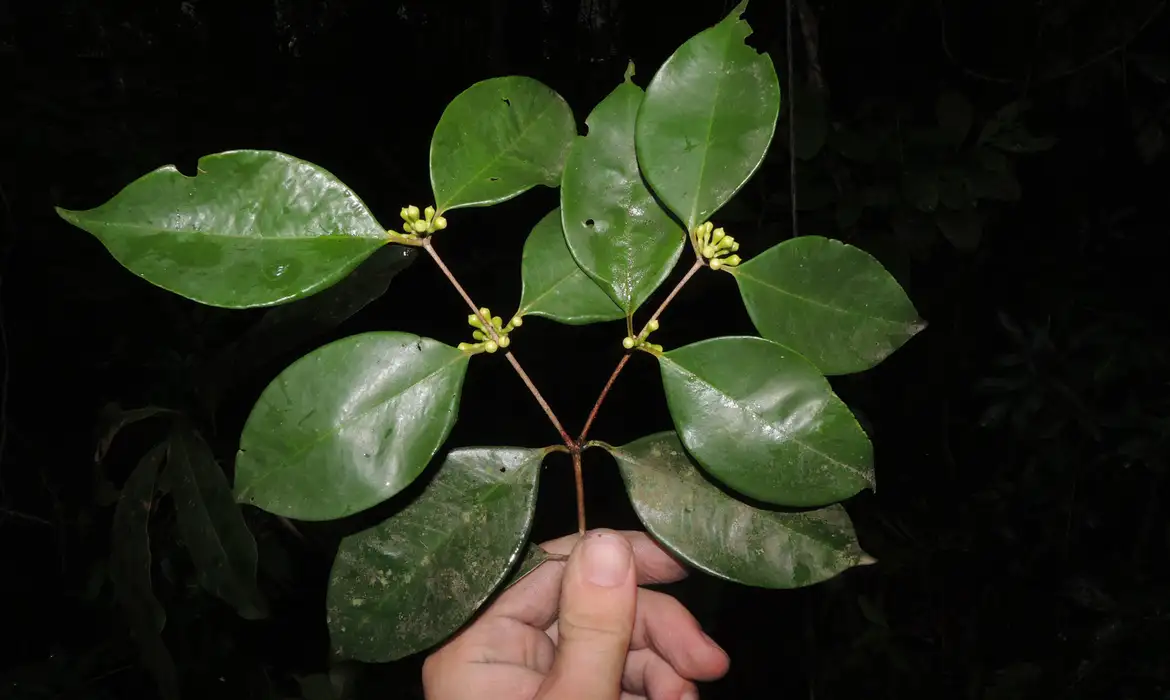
(615, 228)
(831, 302)
(252, 228)
(764, 421)
(349, 425)
(407, 584)
(554, 286)
(211, 524)
(707, 120)
(499, 138)
(726, 537)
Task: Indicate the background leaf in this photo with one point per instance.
(349, 425)
(707, 120)
(113, 418)
(251, 228)
(499, 138)
(762, 419)
(831, 302)
(554, 286)
(211, 524)
(615, 228)
(955, 115)
(726, 537)
(130, 570)
(409, 583)
(962, 228)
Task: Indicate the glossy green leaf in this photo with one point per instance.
(761, 419)
(615, 228)
(349, 425)
(955, 115)
(130, 570)
(707, 120)
(554, 286)
(211, 524)
(410, 582)
(831, 302)
(725, 537)
(251, 228)
(499, 138)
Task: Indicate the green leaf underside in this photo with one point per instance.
(831, 302)
(130, 571)
(212, 526)
(723, 536)
(410, 582)
(252, 228)
(616, 230)
(349, 425)
(534, 556)
(707, 120)
(499, 138)
(554, 286)
(761, 419)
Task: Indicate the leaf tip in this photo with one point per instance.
(866, 560)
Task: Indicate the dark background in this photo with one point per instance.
(1020, 523)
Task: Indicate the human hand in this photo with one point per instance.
(608, 640)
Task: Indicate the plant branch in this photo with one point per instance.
(580, 491)
(626, 358)
(487, 324)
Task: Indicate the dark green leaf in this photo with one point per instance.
(920, 188)
(952, 189)
(955, 116)
(534, 556)
(707, 120)
(252, 228)
(831, 302)
(349, 425)
(409, 583)
(915, 231)
(614, 227)
(113, 418)
(853, 145)
(726, 537)
(552, 284)
(499, 138)
(130, 570)
(1006, 131)
(211, 524)
(962, 228)
(764, 421)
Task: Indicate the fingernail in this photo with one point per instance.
(606, 561)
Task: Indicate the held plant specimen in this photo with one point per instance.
(352, 423)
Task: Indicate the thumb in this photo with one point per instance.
(598, 597)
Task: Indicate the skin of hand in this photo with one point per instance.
(582, 629)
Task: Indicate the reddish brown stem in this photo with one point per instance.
(580, 491)
(626, 358)
(491, 329)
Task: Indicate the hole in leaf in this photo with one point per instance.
(507, 102)
(589, 223)
(503, 470)
(493, 179)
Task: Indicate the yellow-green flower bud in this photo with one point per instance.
(478, 335)
(653, 325)
(440, 223)
(717, 235)
(628, 343)
(412, 212)
(429, 213)
(709, 251)
(485, 312)
(491, 346)
(731, 260)
(654, 347)
(505, 341)
(419, 226)
(498, 322)
(716, 264)
(734, 246)
(405, 214)
(516, 322)
(464, 347)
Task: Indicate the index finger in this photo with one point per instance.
(534, 599)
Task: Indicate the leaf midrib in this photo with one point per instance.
(151, 230)
(710, 129)
(808, 300)
(551, 288)
(751, 412)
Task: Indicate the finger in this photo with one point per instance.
(443, 678)
(668, 629)
(502, 640)
(598, 598)
(648, 674)
(533, 600)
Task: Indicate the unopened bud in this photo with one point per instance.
(485, 312)
(709, 251)
(653, 325)
(735, 246)
(412, 212)
(505, 341)
(405, 214)
(491, 346)
(716, 264)
(516, 322)
(464, 347)
(440, 223)
(419, 226)
(628, 343)
(717, 235)
(731, 260)
(429, 213)
(497, 322)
